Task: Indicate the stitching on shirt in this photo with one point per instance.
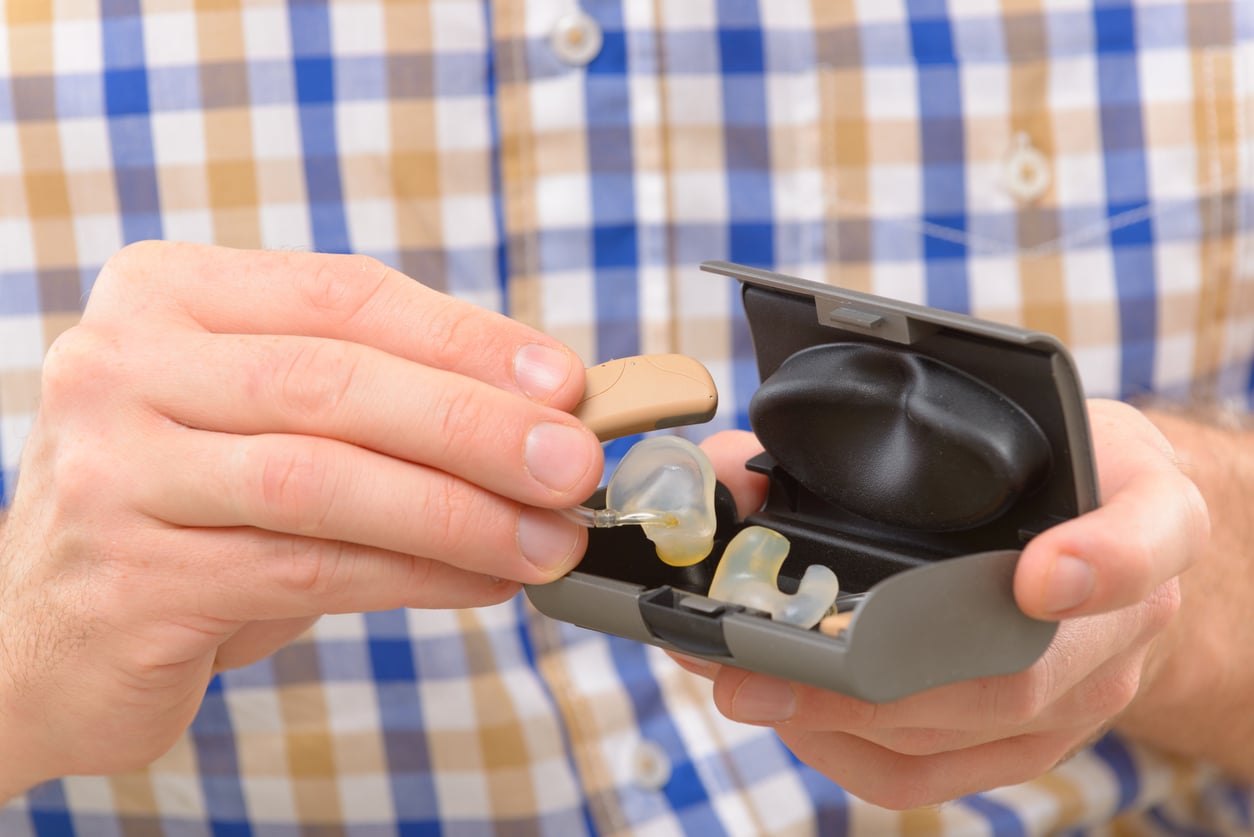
(984, 245)
(1245, 150)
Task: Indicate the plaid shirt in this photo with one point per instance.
(1083, 168)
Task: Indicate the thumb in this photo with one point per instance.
(1151, 526)
(728, 452)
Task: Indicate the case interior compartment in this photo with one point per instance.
(910, 450)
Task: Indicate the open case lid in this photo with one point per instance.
(905, 424)
(913, 451)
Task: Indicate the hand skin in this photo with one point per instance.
(232, 443)
(1121, 653)
(1202, 698)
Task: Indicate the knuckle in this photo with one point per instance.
(294, 486)
(1110, 695)
(77, 362)
(73, 422)
(79, 473)
(1128, 560)
(341, 292)
(462, 416)
(500, 590)
(317, 378)
(127, 269)
(459, 522)
(922, 742)
(141, 251)
(856, 715)
(454, 521)
(454, 332)
(1018, 700)
(418, 576)
(315, 567)
(124, 261)
(1161, 606)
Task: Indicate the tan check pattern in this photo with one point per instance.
(446, 138)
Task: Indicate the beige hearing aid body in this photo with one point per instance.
(646, 392)
(638, 394)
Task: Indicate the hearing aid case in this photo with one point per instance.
(911, 450)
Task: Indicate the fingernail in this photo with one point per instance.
(540, 371)
(557, 455)
(1069, 584)
(764, 699)
(545, 539)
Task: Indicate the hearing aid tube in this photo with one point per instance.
(664, 484)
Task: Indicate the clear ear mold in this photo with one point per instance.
(671, 475)
(664, 485)
(748, 575)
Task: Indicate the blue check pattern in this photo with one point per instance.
(865, 144)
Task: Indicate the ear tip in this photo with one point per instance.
(748, 575)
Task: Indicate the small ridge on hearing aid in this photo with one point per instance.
(748, 575)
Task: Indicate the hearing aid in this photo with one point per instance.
(647, 392)
(650, 392)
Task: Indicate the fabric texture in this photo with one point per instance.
(1082, 168)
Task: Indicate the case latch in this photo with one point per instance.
(861, 318)
(686, 621)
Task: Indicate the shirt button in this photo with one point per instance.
(1027, 171)
(576, 39)
(650, 766)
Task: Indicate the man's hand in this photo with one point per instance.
(1111, 575)
(232, 443)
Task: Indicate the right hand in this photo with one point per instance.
(974, 735)
(232, 443)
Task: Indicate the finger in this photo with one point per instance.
(1090, 705)
(353, 298)
(1078, 659)
(900, 782)
(248, 575)
(728, 452)
(329, 490)
(246, 384)
(696, 665)
(1151, 526)
(258, 640)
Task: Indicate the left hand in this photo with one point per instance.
(1110, 575)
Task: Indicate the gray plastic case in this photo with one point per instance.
(914, 451)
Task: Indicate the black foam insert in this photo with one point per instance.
(898, 437)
